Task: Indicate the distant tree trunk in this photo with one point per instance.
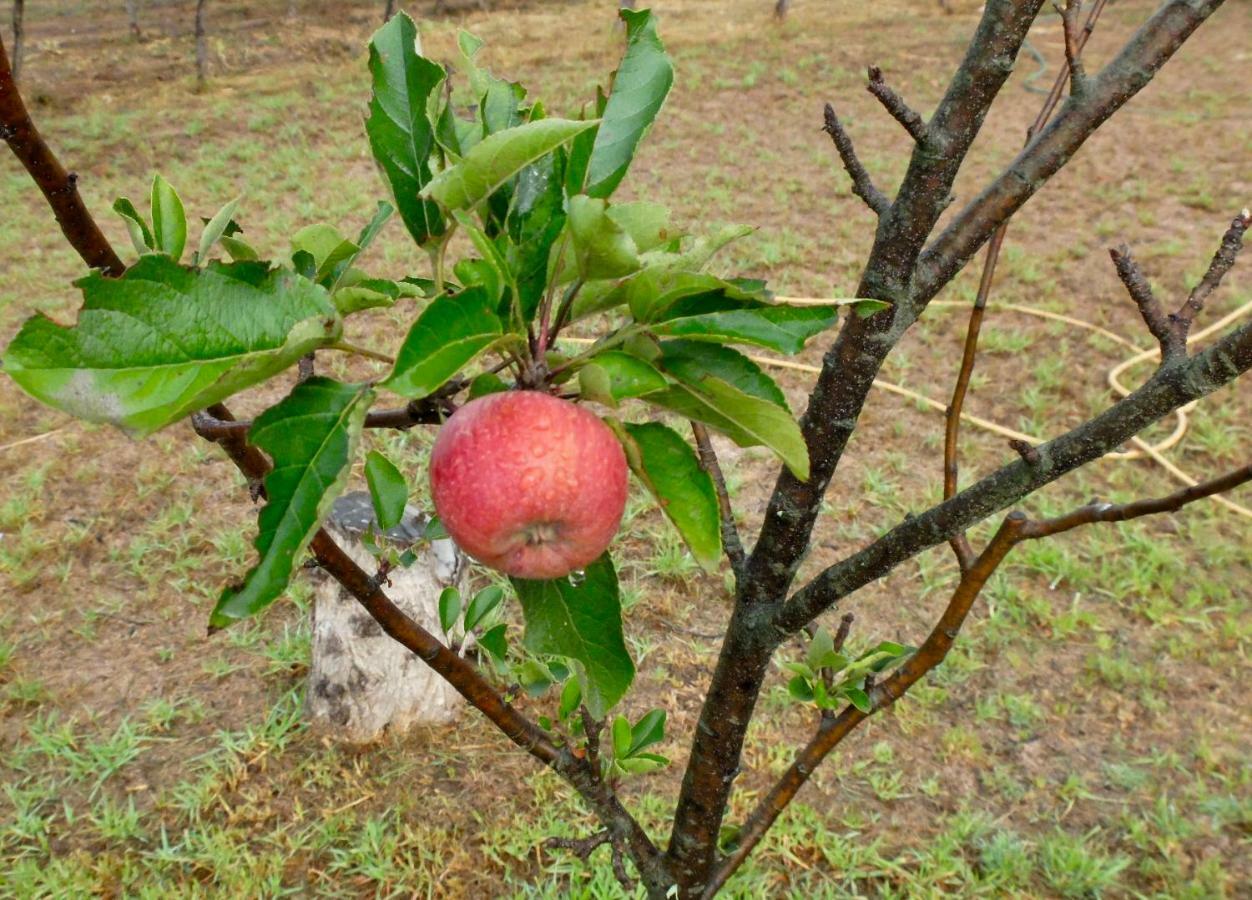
(780, 9)
(362, 685)
(132, 16)
(19, 10)
(202, 50)
(292, 9)
(389, 10)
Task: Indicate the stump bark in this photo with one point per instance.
(362, 684)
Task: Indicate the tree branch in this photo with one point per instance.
(913, 123)
(1169, 388)
(1070, 10)
(862, 184)
(433, 410)
(1223, 260)
(832, 730)
(1172, 341)
(730, 534)
(1129, 72)
(59, 188)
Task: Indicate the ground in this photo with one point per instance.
(1091, 733)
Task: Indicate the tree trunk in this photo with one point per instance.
(781, 8)
(132, 17)
(362, 684)
(19, 11)
(202, 50)
(389, 10)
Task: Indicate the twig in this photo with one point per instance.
(951, 470)
(591, 731)
(1075, 38)
(60, 188)
(862, 184)
(730, 534)
(357, 350)
(580, 847)
(913, 123)
(1173, 342)
(1223, 260)
(433, 410)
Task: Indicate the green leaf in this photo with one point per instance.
(612, 376)
(701, 251)
(859, 699)
(748, 421)
(781, 328)
(483, 605)
(361, 296)
(666, 464)
(389, 492)
(821, 647)
(642, 763)
(602, 247)
(239, 250)
(489, 252)
(691, 361)
(216, 227)
(163, 341)
(621, 737)
(494, 642)
(328, 248)
(800, 688)
(647, 731)
(571, 698)
(660, 293)
(642, 81)
(646, 223)
(169, 221)
(140, 235)
(535, 221)
(582, 621)
(311, 436)
(486, 383)
(399, 128)
(497, 159)
(449, 608)
(449, 333)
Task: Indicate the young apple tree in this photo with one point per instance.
(529, 471)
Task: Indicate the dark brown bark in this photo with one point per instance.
(19, 36)
(202, 46)
(60, 188)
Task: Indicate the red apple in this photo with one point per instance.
(528, 484)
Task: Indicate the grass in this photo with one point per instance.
(1086, 737)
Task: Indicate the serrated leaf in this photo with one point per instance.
(498, 158)
(659, 293)
(311, 436)
(449, 608)
(389, 492)
(491, 255)
(668, 467)
(169, 221)
(215, 229)
(163, 341)
(449, 333)
(642, 81)
(535, 220)
(581, 621)
(140, 234)
(483, 605)
(775, 327)
(647, 223)
(748, 421)
(328, 248)
(399, 128)
(602, 247)
(691, 361)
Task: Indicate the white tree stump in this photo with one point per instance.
(362, 684)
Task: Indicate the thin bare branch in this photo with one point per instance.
(1223, 260)
(862, 184)
(1075, 37)
(1121, 512)
(913, 123)
(1173, 342)
(580, 847)
(59, 187)
(730, 534)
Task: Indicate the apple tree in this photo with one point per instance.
(601, 324)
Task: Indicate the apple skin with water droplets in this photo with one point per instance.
(528, 484)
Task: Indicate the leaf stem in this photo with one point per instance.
(347, 347)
